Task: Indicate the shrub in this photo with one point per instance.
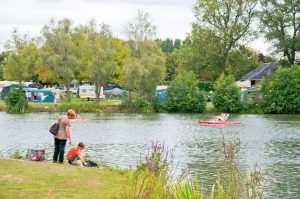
(281, 92)
(143, 105)
(16, 101)
(17, 155)
(226, 97)
(183, 95)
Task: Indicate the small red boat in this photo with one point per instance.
(217, 122)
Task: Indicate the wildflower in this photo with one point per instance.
(153, 167)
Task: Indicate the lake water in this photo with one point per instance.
(272, 142)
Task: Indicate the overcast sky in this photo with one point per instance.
(173, 18)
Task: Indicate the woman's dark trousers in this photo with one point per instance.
(59, 150)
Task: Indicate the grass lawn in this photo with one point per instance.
(29, 179)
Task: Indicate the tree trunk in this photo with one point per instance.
(97, 92)
(224, 64)
(68, 92)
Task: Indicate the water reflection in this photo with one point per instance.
(119, 140)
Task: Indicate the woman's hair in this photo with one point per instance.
(71, 113)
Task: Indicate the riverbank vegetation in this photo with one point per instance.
(215, 49)
(153, 178)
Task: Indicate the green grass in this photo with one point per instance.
(26, 179)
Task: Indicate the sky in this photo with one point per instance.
(173, 18)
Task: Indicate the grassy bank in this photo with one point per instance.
(81, 106)
(26, 179)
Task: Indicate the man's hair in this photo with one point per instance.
(81, 144)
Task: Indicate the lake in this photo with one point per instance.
(272, 142)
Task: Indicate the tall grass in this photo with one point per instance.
(231, 184)
(152, 178)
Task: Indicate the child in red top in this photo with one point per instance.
(74, 154)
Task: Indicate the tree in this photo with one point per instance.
(226, 96)
(21, 58)
(184, 95)
(100, 55)
(140, 28)
(145, 68)
(280, 21)
(61, 52)
(200, 54)
(241, 61)
(229, 20)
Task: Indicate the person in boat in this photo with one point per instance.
(74, 154)
(222, 117)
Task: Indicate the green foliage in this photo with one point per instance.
(168, 45)
(200, 53)
(228, 20)
(226, 96)
(17, 155)
(183, 94)
(78, 107)
(152, 176)
(100, 54)
(16, 101)
(171, 66)
(205, 86)
(21, 59)
(145, 69)
(61, 52)
(281, 92)
(186, 190)
(143, 105)
(241, 61)
(3, 58)
(280, 23)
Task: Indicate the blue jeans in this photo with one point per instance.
(59, 150)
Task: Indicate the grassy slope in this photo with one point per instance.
(26, 179)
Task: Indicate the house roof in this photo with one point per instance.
(260, 72)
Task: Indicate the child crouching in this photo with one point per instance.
(74, 154)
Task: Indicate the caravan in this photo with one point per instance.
(88, 92)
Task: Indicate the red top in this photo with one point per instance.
(73, 151)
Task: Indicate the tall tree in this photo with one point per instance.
(140, 28)
(229, 20)
(145, 68)
(241, 61)
(100, 55)
(201, 54)
(62, 53)
(280, 21)
(22, 56)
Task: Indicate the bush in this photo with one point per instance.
(143, 105)
(183, 95)
(226, 97)
(281, 92)
(16, 101)
(17, 155)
